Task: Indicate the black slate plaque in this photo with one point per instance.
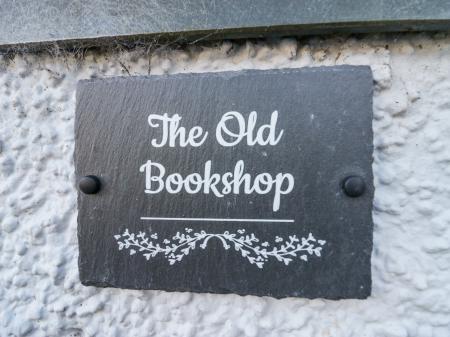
(228, 182)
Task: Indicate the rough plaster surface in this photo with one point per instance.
(40, 293)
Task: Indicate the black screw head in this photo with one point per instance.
(89, 185)
(354, 186)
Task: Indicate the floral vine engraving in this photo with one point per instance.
(248, 245)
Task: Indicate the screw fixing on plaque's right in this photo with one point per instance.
(354, 186)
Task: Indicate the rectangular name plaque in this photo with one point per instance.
(251, 182)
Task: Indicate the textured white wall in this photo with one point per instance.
(40, 294)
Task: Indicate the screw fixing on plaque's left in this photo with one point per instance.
(89, 184)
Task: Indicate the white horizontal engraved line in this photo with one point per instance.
(217, 219)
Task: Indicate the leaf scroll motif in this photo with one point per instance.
(248, 245)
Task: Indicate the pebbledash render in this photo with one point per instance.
(40, 291)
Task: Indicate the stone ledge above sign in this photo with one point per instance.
(38, 24)
(250, 182)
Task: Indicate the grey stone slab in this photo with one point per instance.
(302, 236)
(37, 23)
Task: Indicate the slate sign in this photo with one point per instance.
(229, 182)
